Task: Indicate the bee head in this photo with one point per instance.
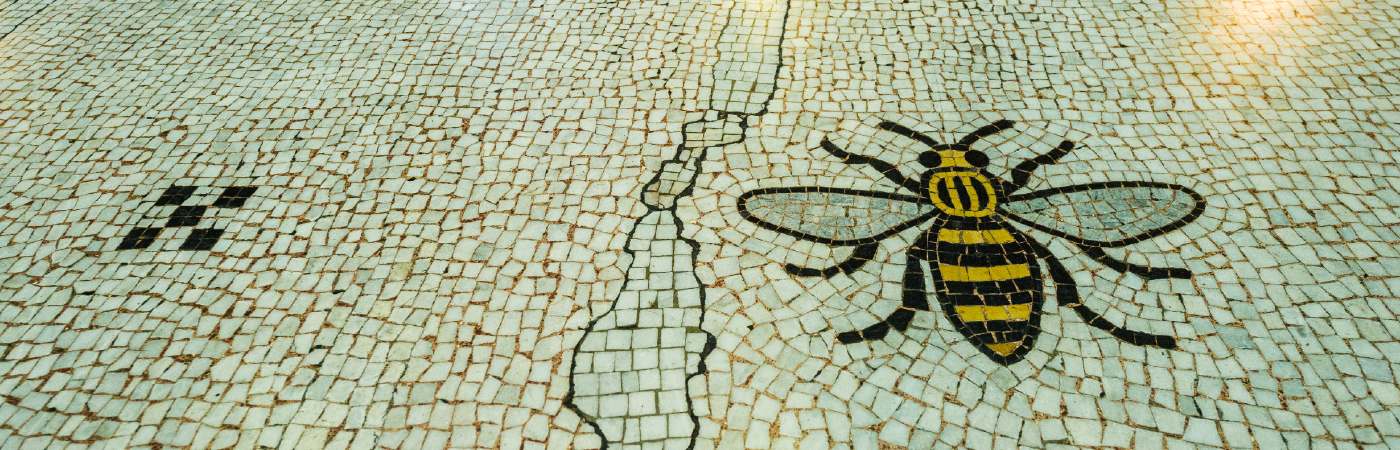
(953, 157)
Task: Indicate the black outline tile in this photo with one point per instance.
(202, 239)
(175, 195)
(139, 237)
(234, 196)
(186, 216)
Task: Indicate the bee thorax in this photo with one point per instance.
(962, 193)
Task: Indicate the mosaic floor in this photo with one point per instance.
(699, 224)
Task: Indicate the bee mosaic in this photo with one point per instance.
(986, 273)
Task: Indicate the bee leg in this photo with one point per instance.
(1151, 273)
(915, 298)
(1022, 172)
(862, 254)
(1067, 295)
(886, 169)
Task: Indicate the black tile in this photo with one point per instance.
(139, 237)
(234, 196)
(186, 216)
(202, 239)
(175, 195)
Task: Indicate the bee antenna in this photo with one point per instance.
(987, 130)
(907, 132)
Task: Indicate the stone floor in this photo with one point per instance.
(699, 224)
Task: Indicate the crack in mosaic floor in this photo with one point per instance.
(641, 392)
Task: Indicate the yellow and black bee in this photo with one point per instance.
(986, 273)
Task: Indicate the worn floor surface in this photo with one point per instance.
(699, 224)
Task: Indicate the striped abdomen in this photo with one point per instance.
(989, 284)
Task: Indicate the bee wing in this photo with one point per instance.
(833, 216)
(1107, 214)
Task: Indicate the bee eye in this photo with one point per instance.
(930, 159)
(976, 158)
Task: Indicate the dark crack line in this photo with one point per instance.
(695, 253)
(710, 340)
(703, 154)
(612, 306)
(573, 360)
(782, 39)
(696, 161)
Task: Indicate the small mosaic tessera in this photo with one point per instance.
(713, 224)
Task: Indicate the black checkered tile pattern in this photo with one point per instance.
(187, 216)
